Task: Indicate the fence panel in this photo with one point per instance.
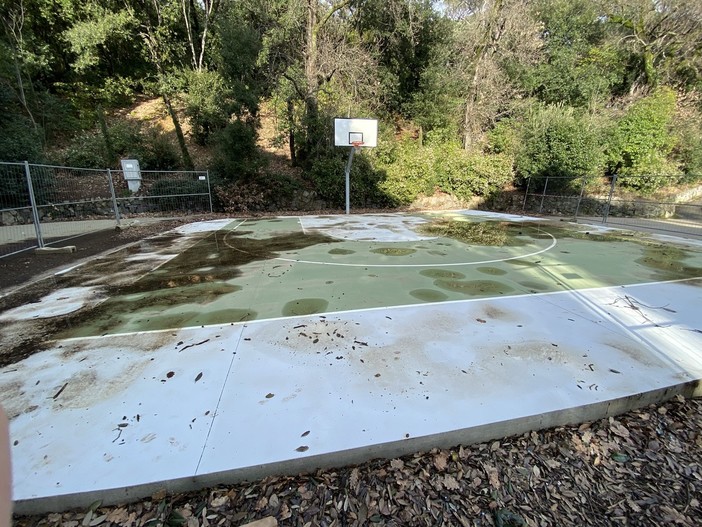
(44, 205)
(643, 202)
(71, 201)
(558, 196)
(17, 229)
(162, 192)
(646, 202)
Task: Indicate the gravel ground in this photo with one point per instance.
(641, 468)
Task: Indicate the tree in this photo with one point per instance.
(491, 36)
(558, 141)
(664, 38)
(401, 34)
(642, 140)
(581, 65)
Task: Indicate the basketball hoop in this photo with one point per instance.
(357, 145)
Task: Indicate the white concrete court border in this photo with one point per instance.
(226, 403)
(117, 418)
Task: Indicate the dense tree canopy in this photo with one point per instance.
(546, 87)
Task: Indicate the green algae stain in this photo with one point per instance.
(428, 295)
(394, 251)
(341, 251)
(474, 287)
(485, 233)
(305, 306)
(494, 271)
(668, 262)
(442, 273)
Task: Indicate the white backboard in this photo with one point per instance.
(346, 131)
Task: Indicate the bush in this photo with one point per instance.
(236, 155)
(157, 152)
(642, 141)
(86, 150)
(129, 141)
(559, 142)
(19, 141)
(207, 104)
(328, 176)
(414, 171)
(689, 150)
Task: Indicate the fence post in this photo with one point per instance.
(580, 199)
(35, 210)
(526, 194)
(543, 195)
(209, 190)
(609, 200)
(114, 197)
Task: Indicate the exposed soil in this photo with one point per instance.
(642, 468)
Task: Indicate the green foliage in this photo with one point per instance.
(327, 174)
(207, 104)
(239, 48)
(689, 149)
(14, 190)
(403, 34)
(559, 142)
(236, 155)
(642, 140)
(580, 65)
(86, 150)
(413, 171)
(152, 148)
(90, 39)
(19, 141)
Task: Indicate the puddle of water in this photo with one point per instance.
(442, 273)
(394, 251)
(305, 306)
(428, 295)
(474, 287)
(341, 251)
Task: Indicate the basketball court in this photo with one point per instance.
(233, 349)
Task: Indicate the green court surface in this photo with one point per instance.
(277, 267)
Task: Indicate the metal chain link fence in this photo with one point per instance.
(629, 201)
(44, 205)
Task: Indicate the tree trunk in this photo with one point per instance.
(312, 81)
(187, 161)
